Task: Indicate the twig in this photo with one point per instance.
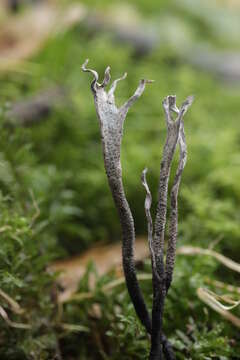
(13, 324)
(216, 241)
(216, 299)
(74, 327)
(106, 288)
(15, 307)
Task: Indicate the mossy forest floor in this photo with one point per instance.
(54, 198)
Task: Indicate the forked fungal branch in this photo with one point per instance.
(111, 119)
(162, 273)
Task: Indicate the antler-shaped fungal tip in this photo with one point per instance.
(107, 77)
(189, 100)
(93, 72)
(143, 176)
(185, 105)
(135, 96)
(114, 85)
(85, 64)
(169, 104)
(172, 103)
(108, 97)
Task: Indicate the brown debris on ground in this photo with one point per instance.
(41, 21)
(105, 258)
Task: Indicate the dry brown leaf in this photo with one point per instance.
(23, 35)
(105, 259)
(109, 257)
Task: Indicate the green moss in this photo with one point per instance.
(58, 165)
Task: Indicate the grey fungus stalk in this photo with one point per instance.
(111, 119)
(162, 276)
(173, 222)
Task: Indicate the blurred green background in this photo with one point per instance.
(187, 47)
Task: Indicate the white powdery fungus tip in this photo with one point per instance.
(107, 77)
(93, 72)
